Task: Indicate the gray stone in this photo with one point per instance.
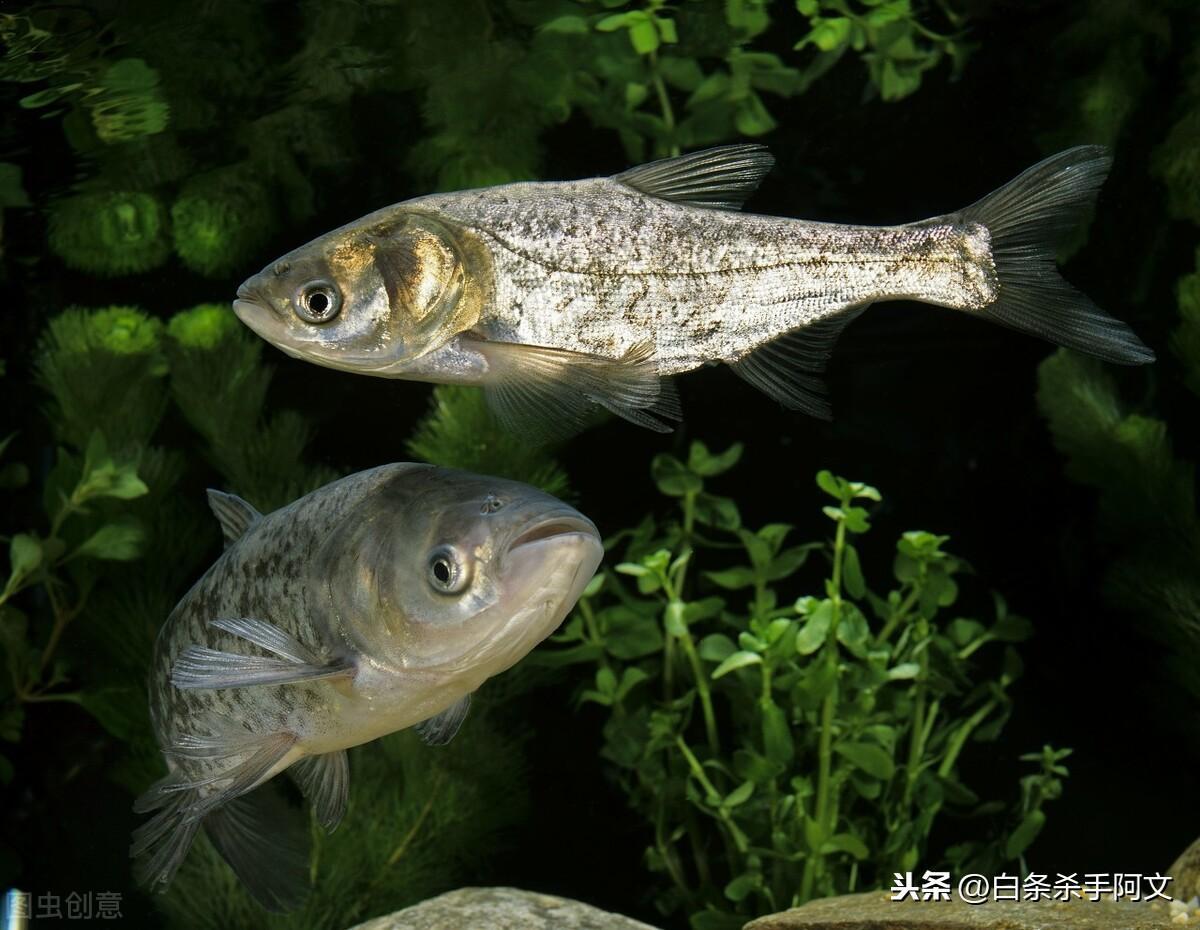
(875, 910)
(501, 909)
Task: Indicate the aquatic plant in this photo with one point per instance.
(110, 232)
(459, 431)
(782, 748)
(218, 219)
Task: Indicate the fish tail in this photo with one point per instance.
(1026, 219)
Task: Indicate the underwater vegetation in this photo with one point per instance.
(772, 693)
(783, 749)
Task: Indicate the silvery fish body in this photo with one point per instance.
(560, 296)
(376, 603)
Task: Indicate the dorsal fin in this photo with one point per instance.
(721, 178)
(234, 514)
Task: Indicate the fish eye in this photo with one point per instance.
(491, 504)
(447, 572)
(318, 302)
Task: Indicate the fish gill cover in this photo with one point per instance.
(153, 158)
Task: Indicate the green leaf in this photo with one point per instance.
(847, 843)
(736, 661)
(868, 757)
(716, 647)
(1012, 629)
(852, 630)
(644, 36)
(833, 486)
(778, 745)
(829, 33)
(808, 7)
(673, 619)
(856, 584)
(705, 463)
(672, 477)
(566, 24)
(1026, 833)
(739, 795)
(629, 680)
(720, 512)
(666, 29)
(903, 671)
(631, 635)
(116, 542)
(24, 556)
(614, 22)
(741, 886)
(815, 631)
(732, 579)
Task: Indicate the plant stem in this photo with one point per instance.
(959, 739)
(706, 704)
(814, 864)
(664, 103)
(916, 745)
(895, 619)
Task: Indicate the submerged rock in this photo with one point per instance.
(501, 909)
(875, 910)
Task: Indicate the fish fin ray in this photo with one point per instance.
(160, 845)
(202, 667)
(1026, 219)
(182, 802)
(546, 393)
(291, 662)
(250, 758)
(265, 841)
(235, 515)
(325, 781)
(720, 178)
(789, 368)
(439, 729)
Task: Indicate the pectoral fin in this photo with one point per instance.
(721, 178)
(325, 781)
(548, 393)
(789, 368)
(439, 729)
(235, 515)
(202, 667)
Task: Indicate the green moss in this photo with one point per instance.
(110, 233)
(218, 219)
(202, 327)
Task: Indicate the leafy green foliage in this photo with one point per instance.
(218, 219)
(779, 747)
(110, 233)
(460, 432)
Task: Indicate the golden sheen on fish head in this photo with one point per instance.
(456, 574)
(369, 297)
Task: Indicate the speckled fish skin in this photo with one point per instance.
(594, 266)
(342, 577)
(555, 295)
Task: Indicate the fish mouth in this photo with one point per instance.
(555, 526)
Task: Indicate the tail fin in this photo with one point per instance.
(1026, 219)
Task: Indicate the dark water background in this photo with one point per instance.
(935, 409)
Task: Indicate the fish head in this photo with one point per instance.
(370, 297)
(458, 575)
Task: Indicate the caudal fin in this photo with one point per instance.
(1027, 219)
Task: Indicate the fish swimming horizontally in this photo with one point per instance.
(378, 602)
(557, 297)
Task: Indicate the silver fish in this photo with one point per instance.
(557, 297)
(378, 602)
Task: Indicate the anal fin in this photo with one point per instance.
(325, 781)
(546, 393)
(789, 368)
(439, 729)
